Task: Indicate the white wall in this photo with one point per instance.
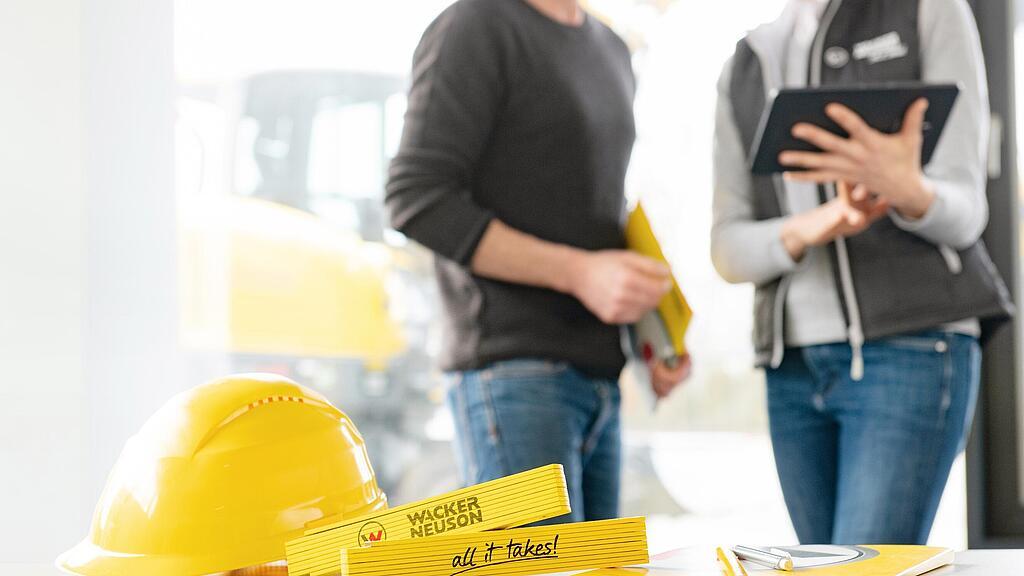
(131, 275)
(87, 328)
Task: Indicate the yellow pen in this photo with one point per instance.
(730, 564)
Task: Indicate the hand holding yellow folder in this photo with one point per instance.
(661, 333)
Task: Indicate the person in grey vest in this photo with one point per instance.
(512, 171)
(872, 284)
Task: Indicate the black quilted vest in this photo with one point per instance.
(901, 282)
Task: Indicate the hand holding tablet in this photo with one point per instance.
(875, 138)
(881, 107)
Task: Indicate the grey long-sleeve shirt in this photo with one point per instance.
(517, 117)
(746, 250)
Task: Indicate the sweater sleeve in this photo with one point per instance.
(454, 98)
(743, 249)
(951, 52)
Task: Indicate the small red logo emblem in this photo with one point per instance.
(371, 532)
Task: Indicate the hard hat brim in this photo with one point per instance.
(88, 559)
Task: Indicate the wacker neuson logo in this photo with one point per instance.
(370, 533)
(444, 517)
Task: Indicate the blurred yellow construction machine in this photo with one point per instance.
(286, 263)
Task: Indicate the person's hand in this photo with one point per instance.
(664, 379)
(618, 286)
(848, 214)
(886, 164)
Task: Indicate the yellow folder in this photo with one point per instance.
(662, 333)
(872, 560)
(537, 550)
(507, 502)
(818, 560)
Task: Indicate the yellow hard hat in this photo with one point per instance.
(221, 477)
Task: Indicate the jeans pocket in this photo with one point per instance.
(607, 413)
(930, 342)
(477, 435)
(915, 375)
(947, 382)
(490, 414)
(938, 347)
(536, 381)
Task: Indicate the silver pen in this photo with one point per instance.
(764, 558)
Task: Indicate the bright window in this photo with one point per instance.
(310, 96)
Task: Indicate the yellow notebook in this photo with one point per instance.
(536, 550)
(810, 561)
(515, 500)
(859, 561)
(661, 333)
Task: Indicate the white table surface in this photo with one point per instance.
(700, 562)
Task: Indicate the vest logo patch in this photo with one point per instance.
(837, 57)
(886, 47)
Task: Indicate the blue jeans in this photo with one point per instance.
(521, 414)
(866, 462)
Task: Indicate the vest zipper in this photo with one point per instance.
(778, 337)
(778, 314)
(818, 48)
(855, 328)
(778, 344)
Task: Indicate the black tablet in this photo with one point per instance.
(881, 106)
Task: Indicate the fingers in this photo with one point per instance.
(855, 207)
(913, 120)
(861, 198)
(665, 379)
(623, 286)
(629, 315)
(645, 265)
(815, 176)
(843, 190)
(859, 193)
(825, 140)
(635, 294)
(644, 291)
(850, 121)
(679, 372)
(662, 389)
(880, 208)
(623, 309)
(817, 160)
(659, 382)
(649, 282)
(860, 215)
(850, 213)
(854, 217)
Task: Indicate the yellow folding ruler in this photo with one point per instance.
(515, 500)
(538, 550)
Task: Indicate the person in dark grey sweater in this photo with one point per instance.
(511, 169)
